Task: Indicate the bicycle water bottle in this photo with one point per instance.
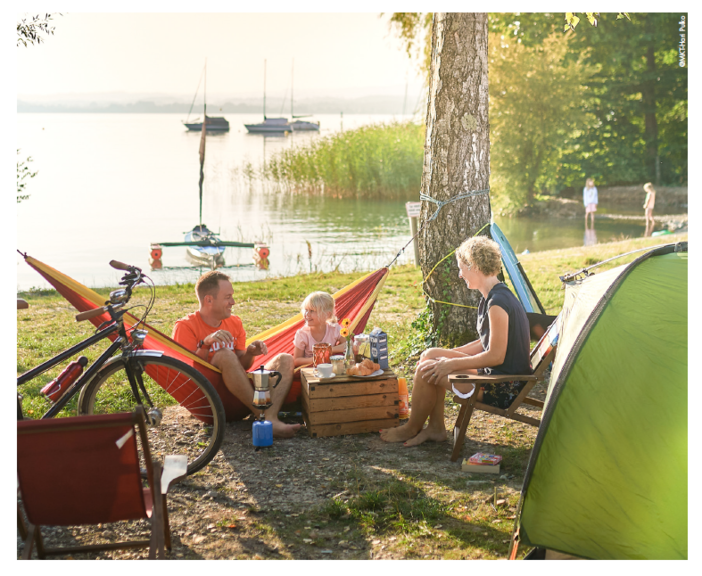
(262, 433)
(56, 388)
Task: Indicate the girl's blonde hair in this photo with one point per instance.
(649, 187)
(482, 253)
(322, 303)
(588, 180)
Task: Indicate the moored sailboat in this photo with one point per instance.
(300, 125)
(203, 246)
(269, 125)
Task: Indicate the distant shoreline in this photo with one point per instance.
(364, 105)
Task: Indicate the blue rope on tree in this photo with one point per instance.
(442, 203)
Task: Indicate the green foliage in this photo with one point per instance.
(29, 31)
(23, 172)
(592, 17)
(538, 103)
(381, 160)
(627, 121)
(638, 96)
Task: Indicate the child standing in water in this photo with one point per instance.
(320, 327)
(590, 200)
(648, 205)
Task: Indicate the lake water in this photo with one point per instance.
(111, 184)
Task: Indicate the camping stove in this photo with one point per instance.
(262, 429)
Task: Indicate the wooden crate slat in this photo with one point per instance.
(322, 430)
(350, 402)
(348, 405)
(349, 389)
(347, 385)
(354, 415)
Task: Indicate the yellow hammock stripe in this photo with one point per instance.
(369, 302)
(281, 327)
(99, 301)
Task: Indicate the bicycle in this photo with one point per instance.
(183, 410)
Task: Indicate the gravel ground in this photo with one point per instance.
(249, 504)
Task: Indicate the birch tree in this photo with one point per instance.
(456, 163)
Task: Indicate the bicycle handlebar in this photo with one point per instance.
(120, 265)
(90, 314)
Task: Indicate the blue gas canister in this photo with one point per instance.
(262, 433)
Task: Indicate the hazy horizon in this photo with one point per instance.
(135, 56)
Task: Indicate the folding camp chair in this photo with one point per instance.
(86, 470)
(541, 355)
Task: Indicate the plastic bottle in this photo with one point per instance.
(404, 398)
(56, 388)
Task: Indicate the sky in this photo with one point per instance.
(164, 53)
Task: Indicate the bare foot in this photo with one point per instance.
(427, 434)
(399, 434)
(282, 430)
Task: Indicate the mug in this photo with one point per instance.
(325, 370)
(321, 354)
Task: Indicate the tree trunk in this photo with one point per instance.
(456, 161)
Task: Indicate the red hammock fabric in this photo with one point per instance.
(354, 302)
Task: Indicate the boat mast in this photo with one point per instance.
(202, 141)
(264, 90)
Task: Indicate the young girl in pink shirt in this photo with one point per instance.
(320, 326)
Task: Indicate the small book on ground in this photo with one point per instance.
(482, 463)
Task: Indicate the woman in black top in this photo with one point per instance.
(503, 348)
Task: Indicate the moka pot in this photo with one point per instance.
(262, 380)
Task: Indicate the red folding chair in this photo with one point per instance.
(86, 470)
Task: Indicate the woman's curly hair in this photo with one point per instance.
(482, 253)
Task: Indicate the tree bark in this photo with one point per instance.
(456, 161)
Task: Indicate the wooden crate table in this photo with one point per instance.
(349, 404)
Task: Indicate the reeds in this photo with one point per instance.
(376, 161)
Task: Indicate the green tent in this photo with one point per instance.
(607, 477)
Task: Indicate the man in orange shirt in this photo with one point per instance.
(213, 324)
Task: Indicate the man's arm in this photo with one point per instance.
(246, 357)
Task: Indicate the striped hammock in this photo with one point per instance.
(354, 302)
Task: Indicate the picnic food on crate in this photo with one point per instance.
(364, 368)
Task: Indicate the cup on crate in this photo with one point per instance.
(321, 354)
(325, 370)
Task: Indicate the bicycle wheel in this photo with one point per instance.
(193, 414)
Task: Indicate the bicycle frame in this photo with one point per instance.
(86, 376)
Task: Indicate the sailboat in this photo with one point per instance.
(214, 123)
(210, 254)
(300, 125)
(269, 125)
(203, 246)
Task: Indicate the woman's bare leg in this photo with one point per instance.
(427, 402)
(436, 427)
(424, 400)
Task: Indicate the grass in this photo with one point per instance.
(262, 305)
(371, 161)
(402, 512)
